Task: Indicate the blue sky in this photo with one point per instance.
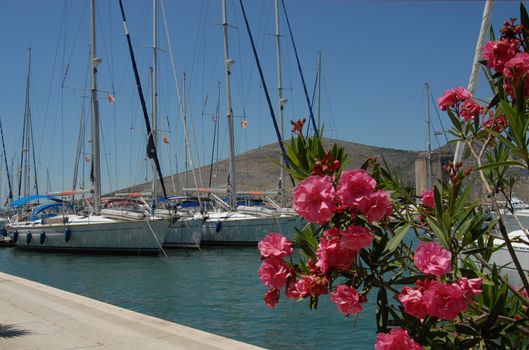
(377, 56)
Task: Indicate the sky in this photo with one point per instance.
(376, 58)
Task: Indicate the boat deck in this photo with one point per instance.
(36, 316)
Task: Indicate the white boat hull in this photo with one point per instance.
(241, 229)
(184, 233)
(503, 259)
(92, 235)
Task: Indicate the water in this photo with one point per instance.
(216, 290)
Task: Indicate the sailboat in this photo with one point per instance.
(94, 229)
(242, 225)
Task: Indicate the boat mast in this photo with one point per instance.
(282, 102)
(10, 195)
(154, 88)
(319, 89)
(94, 61)
(27, 116)
(231, 146)
(429, 124)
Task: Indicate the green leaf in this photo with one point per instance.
(525, 22)
(495, 165)
(394, 242)
(439, 232)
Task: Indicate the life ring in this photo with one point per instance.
(67, 234)
(42, 237)
(29, 237)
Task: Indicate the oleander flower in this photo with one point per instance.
(291, 290)
(470, 109)
(332, 254)
(347, 299)
(471, 287)
(516, 72)
(432, 259)
(353, 185)
(452, 97)
(428, 199)
(275, 245)
(444, 301)
(396, 339)
(274, 273)
(271, 297)
(356, 238)
(312, 286)
(314, 199)
(497, 53)
(376, 207)
(413, 302)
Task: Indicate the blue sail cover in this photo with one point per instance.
(24, 200)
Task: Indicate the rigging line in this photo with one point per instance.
(441, 122)
(10, 196)
(151, 146)
(272, 114)
(52, 76)
(332, 119)
(179, 96)
(33, 153)
(81, 135)
(316, 132)
(312, 101)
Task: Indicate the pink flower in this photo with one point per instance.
(397, 339)
(274, 273)
(332, 255)
(469, 109)
(353, 185)
(291, 291)
(453, 97)
(516, 70)
(356, 238)
(347, 299)
(432, 259)
(428, 199)
(444, 301)
(312, 285)
(412, 300)
(376, 207)
(314, 199)
(271, 298)
(275, 245)
(471, 287)
(497, 53)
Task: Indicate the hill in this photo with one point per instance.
(256, 172)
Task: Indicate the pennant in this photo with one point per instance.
(244, 123)
(111, 99)
(165, 140)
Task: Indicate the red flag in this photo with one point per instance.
(165, 140)
(111, 99)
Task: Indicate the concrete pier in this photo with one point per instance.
(35, 316)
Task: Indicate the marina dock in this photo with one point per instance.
(35, 316)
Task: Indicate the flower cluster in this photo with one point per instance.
(432, 297)
(396, 339)
(460, 100)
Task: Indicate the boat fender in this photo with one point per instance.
(42, 237)
(218, 226)
(67, 234)
(15, 236)
(4, 232)
(29, 236)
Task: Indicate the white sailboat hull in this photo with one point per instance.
(241, 229)
(93, 234)
(184, 233)
(502, 258)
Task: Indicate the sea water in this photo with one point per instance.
(216, 290)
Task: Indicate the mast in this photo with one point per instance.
(154, 88)
(94, 61)
(429, 124)
(10, 195)
(27, 114)
(282, 101)
(232, 188)
(319, 89)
